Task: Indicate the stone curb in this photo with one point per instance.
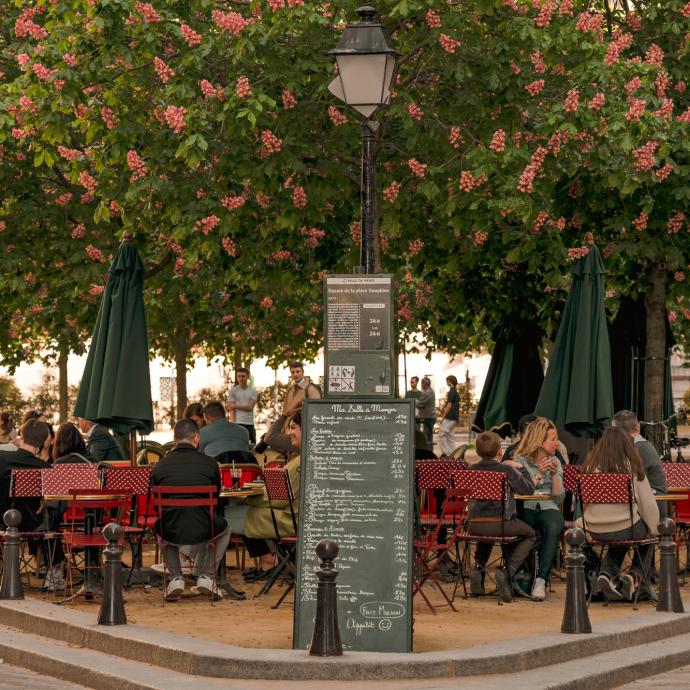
(207, 658)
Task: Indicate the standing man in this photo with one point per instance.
(449, 418)
(426, 411)
(241, 402)
(627, 420)
(219, 435)
(99, 442)
(412, 394)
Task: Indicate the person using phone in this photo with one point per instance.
(536, 453)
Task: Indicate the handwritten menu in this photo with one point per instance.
(357, 490)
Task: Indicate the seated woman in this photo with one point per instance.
(69, 447)
(536, 453)
(8, 435)
(485, 518)
(195, 411)
(616, 453)
(252, 518)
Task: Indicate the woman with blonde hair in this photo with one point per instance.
(615, 453)
(537, 454)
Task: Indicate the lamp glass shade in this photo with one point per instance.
(365, 80)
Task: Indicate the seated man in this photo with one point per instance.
(99, 442)
(186, 466)
(485, 519)
(32, 453)
(219, 435)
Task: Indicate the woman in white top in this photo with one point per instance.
(616, 453)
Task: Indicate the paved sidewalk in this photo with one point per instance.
(15, 678)
(673, 680)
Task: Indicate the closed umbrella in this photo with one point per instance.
(514, 379)
(115, 388)
(577, 392)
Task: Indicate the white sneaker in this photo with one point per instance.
(162, 570)
(205, 585)
(174, 589)
(539, 589)
(54, 582)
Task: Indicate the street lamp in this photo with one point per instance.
(367, 65)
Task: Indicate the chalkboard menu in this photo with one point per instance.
(358, 327)
(357, 490)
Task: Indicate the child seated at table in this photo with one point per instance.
(491, 519)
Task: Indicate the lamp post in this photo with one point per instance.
(367, 66)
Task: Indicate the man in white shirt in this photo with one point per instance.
(241, 402)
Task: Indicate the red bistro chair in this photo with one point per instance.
(678, 478)
(612, 489)
(486, 485)
(279, 489)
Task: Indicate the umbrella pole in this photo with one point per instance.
(133, 447)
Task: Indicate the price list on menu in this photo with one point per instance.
(357, 490)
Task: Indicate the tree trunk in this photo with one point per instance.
(63, 403)
(655, 302)
(236, 360)
(181, 350)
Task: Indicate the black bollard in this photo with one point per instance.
(11, 587)
(112, 607)
(575, 616)
(669, 594)
(326, 638)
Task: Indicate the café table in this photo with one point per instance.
(534, 497)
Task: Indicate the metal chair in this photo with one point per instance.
(611, 489)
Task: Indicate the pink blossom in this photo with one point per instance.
(25, 26)
(532, 170)
(576, 253)
(433, 21)
(685, 11)
(175, 117)
(535, 87)
(644, 156)
(566, 7)
(87, 181)
(450, 45)
(654, 55)
(684, 117)
(539, 221)
(136, 165)
(78, 231)
(675, 223)
(515, 67)
(455, 138)
(417, 168)
(164, 72)
(633, 85)
(229, 21)
(109, 117)
(242, 87)
(271, 143)
(665, 111)
(390, 193)
(356, 231)
(299, 197)
(415, 246)
(229, 246)
(189, 35)
(23, 60)
(336, 117)
(543, 19)
(672, 316)
(661, 83)
(414, 111)
(538, 62)
(276, 5)
(96, 290)
(572, 101)
(589, 21)
(95, 254)
(679, 276)
(266, 302)
(41, 71)
(680, 86)
(479, 238)
(640, 223)
(207, 224)
(70, 59)
(281, 255)
(468, 181)
(233, 202)
(289, 101)
(312, 236)
(636, 109)
(68, 154)
(147, 12)
(262, 199)
(498, 141)
(63, 199)
(597, 101)
(211, 91)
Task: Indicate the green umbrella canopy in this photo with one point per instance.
(514, 379)
(577, 392)
(115, 388)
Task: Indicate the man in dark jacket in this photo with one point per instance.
(99, 442)
(186, 466)
(651, 461)
(493, 519)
